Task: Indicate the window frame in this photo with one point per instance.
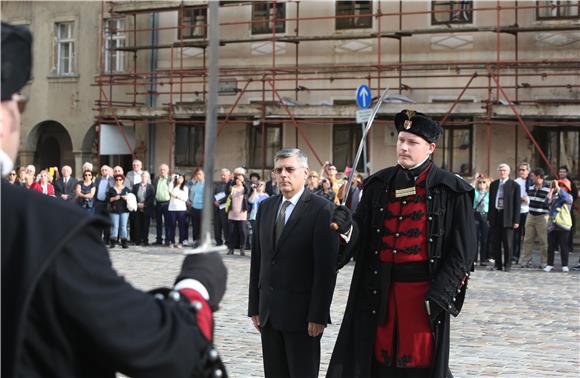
(543, 136)
(447, 159)
(355, 134)
(255, 140)
(59, 43)
(120, 41)
(191, 157)
(450, 3)
(558, 7)
(349, 23)
(256, 26)
(181, 31)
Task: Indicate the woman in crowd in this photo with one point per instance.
(22, 176)
(145, 194)
(258, 195)
(313, 182)
(30, 175)
(330, 173)
(178, 211)
(326, 190)
(119, 212)
(196, 202)
(85, 192)
(560, 222)
(43, 185)
(480, 206)
(12, 178)
(238, 215)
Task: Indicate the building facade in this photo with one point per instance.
(502, 77)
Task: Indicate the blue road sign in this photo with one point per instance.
(363, 96)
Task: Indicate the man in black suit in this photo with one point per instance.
(102, 184)
(293, 271)
(65, 186)
(503, 216)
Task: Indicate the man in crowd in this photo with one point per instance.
(503, 217)
(293, 271)
(413, 250)
(118, 170)
(133, 178)
(162, 185)
(102, 185)
(524, 181)
(220, 218)
(65, 311)
(65, 186)
(537, 222)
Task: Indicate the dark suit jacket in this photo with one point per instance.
(292, 283)
(69, 188)
(511, 204)
(149, 197)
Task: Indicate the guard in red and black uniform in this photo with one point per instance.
(414, 242)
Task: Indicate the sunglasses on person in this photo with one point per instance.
(119, 179)
(279, 170)
(87, 174)
(12, 174)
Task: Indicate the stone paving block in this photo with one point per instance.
(525, 323)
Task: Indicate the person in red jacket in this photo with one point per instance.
(43, 185)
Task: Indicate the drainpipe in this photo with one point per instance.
(152, 97)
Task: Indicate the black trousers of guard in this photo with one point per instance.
(290, 354)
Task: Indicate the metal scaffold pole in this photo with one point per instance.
(206, 244)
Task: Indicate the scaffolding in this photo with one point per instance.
(163, 95)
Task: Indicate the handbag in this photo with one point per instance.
(563, 219)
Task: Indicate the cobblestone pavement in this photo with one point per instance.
(525, 323)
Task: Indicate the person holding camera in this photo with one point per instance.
(65, 311)
(560, 222)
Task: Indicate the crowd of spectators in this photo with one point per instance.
(542, 218)
(544, 207)
(174, 200)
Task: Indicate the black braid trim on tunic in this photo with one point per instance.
(414, 215)
(412, 232)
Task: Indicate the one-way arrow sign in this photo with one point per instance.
(363, 96)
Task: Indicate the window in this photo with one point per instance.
(273, 144)
(65, 48)
(266, 12)
(345, 141)
(114, 39)
(360, 12)
(189, 142)
(193, 23)
(452, 12)
(555, 9)
(561, 146)
(455, 149)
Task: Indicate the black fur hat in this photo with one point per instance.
(418, 124)
(16, 59)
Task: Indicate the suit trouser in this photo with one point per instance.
(290, 354)
(499, 236)
(101, 208)
(162, 219)
(142, 221)
(536, 230)
(195, 216)
(482, 234)
(220, 225)
(519, 234)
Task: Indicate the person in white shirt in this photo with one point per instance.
(178, 211)
(524, 182)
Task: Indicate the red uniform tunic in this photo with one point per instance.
(403, 335)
